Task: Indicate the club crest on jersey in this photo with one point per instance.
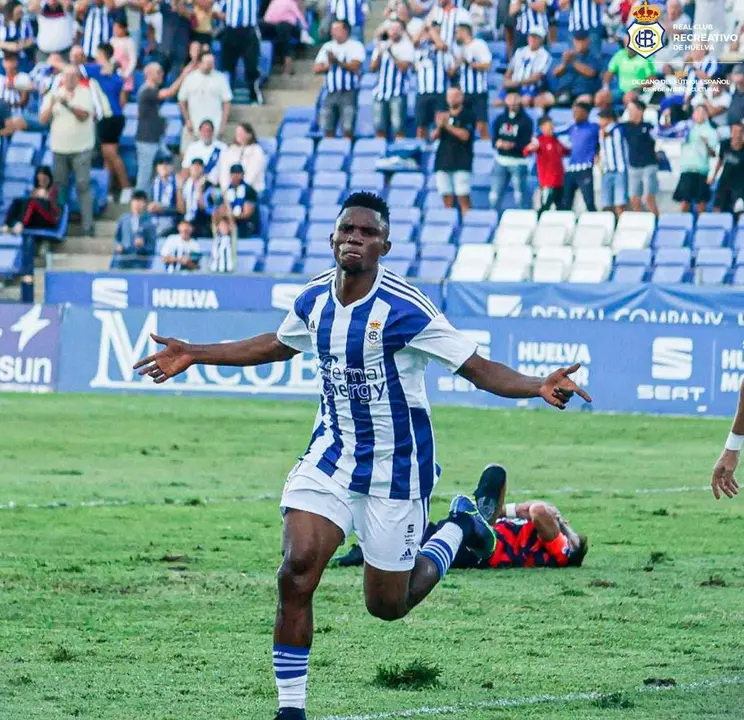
(374, 332)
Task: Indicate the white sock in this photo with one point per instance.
(443, 546)
(290, 672)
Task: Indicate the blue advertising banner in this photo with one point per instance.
(627, 367)
(643, 303)
(183, 291)
(29, 348)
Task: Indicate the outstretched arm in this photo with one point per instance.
(723, 480)
(177, 356)
(556, 389)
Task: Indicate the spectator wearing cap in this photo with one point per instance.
(392, 59)
(613, 158)
(643, 167)
(194, 198)
(527, 70)
(512, 133)
(150, 126)
(633, 72)
(208, 150)
(135, 236)
(180, 252)
(735, 113)
(240, 40)
(241, 204)
(204, 95)
(97, 20)
(530, 16)
(245, 151)
(584, 139)
(72, 137)
(470, 71)
(163, 206)
(453, 163)
(340, 60)
(586, 17)
(578, 75)
(56, 20)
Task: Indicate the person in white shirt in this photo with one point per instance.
(206, 149)
(56, 19)
(472, 63)
(204, 95)
(340, 60)
(181, 252)
(392, 59)
(400, 12)
(527, 70)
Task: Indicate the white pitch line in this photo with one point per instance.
(59, 504)
(506, 703)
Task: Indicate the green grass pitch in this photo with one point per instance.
(162, 607)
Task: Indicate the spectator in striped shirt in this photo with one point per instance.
(392, 59)
(15, 99)
(472, 62)
(432, 68)
(340, 60)
(181, 253)
(222, 258)
(527, 72)
(97, 20)
(530, 15)
(613, 156)
(241, 204)
(353, 11)
(240, 39)
(586, 16)
(17, 34)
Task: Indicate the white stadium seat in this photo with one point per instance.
(589, 273)
(668, 181)
(550, 235)
(520, 218)
(631, 239)
(591, 236)
(506, 272)
(515, 255)
(603, 218)
(644, 221)
(548, 271)
(562, 254)
(508, 235)
(473, 263)
(564, 218)
(593, 256)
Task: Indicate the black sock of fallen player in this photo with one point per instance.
(353, 558)
(488, 494)
(291, 714)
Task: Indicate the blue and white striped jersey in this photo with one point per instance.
(473, 82)
(98, 27)
(350, 10)
(585, 15)
(431, 69)
(11, 96)
(338, 79)
(613, 150)
(447, 21)
(16, 32)
(693, 84)
(222, 254)
(529, 18)
(526, 62)
(238, 13)
(391, 82)
(373, 431)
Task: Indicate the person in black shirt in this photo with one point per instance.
(730, 191)
(643, 167)
(454, 160)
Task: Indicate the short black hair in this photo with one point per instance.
(608, 114)
(585, 106)
(544, 119)
(345, 23)
(368, 200)
(639, 104)
(10, 55)
(107, 49)
(197, 161)
(139, 194)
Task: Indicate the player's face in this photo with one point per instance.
(359, 240)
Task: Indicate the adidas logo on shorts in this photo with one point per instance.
(407, 555)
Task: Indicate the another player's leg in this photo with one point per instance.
(391, 593)
(308, 544)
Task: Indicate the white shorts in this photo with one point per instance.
(453, 183)
(389, 531)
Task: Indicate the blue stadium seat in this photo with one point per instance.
(711, 237)
(130, 130)
(251, 246)
(673, 256)
(48, 157)
(405, 214)
(368, 81)
(319, 248)
(629, 274)
(329, 163)
(171, 111)
(634, 257)
(10, 261)
(281, 264)
(246, 263)
(433, 269)
(376, 147)
(401, 251)
(481, 218)
(24, 173)
(370, 181)
(724, 221)
(408, 181)
(14, 189)
(324, 212)
(286, 196)
(668, 274)
(319, 231)
(294, 130)
(9, 240)
(317, 265)
(483, 148)
(20, 154)
(289, 212)
(363, 164)
(173, 132)
(330, 179)
(714, 256)
(299, 113)
(475, 235)
(433, 201)
(480, 182)
(325, 196)
(738, 278)
(402, 197)
(269, 145)
(435, 234)
(284, 229)
(670, 238)
(482, 165)
(23, 138)
(739, 259)
(291, 163)
(712, 275)
(442, 216)
(334, 146)
(401, 267)
(365, 126)
(401, 233)
(284, 246)
(438, 252)
(739, 236)
(682, 221)
(292, 179)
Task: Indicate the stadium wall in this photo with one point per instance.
(627, 367)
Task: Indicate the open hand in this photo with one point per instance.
(172, 360)
(723, 480)
(558, 388)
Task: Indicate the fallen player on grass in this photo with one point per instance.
(529, 534)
